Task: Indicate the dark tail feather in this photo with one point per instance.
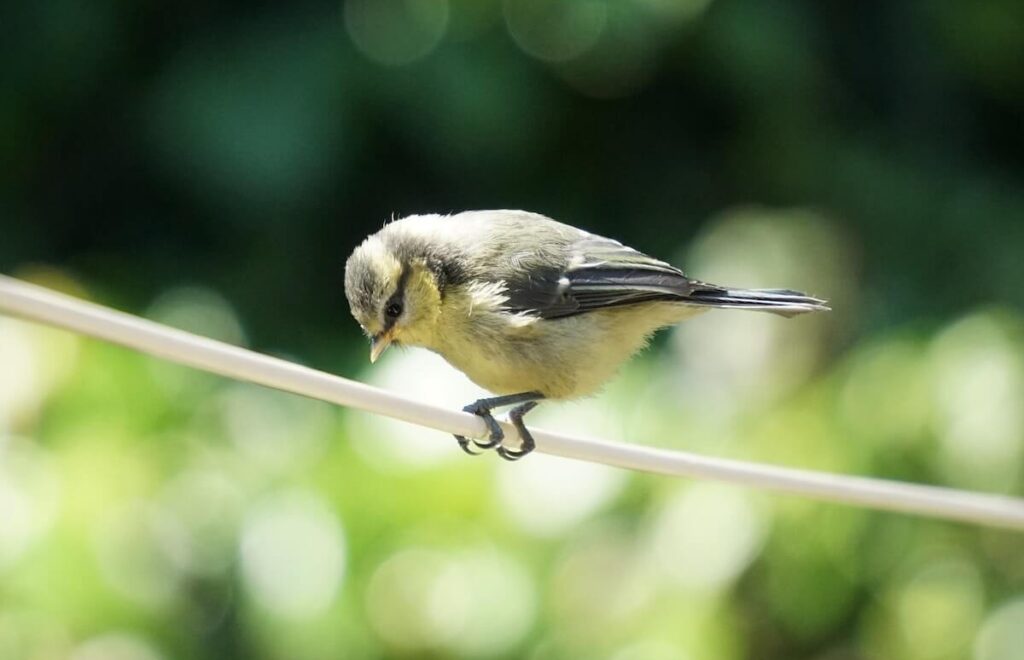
(783, 302)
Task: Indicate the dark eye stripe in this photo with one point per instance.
(396, 300)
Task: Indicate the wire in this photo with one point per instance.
(42, 305)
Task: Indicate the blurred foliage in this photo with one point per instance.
(211, 165)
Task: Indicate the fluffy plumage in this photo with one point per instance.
(522, 303)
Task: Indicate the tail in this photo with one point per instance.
(783, 302)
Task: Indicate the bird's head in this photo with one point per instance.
(394, 297)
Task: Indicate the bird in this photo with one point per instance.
(529, 308)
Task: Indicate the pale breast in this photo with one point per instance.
(561, 358)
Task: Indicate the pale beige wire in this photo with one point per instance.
(42, 305)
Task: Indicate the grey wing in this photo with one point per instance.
(595, 273)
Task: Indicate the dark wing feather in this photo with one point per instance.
(596, 273)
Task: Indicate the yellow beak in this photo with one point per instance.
(378, 345)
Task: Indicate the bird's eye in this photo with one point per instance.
(393, 310)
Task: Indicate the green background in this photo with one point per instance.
(211, 166)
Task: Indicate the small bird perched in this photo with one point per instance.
(527, 307)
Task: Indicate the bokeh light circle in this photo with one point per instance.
(474, 601)
(396, 32)
(116, 646)
(1002, 634)
(548, 495)
(706, 535)
(29, 497)
(293, 554)
(556, 30)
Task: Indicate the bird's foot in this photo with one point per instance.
(495, 434)
(525, 438)
(483, 407)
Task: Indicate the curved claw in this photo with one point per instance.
(465, 443)
(511, 454)
(491, 442)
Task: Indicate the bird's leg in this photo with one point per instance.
(516, 417)
(482, 408)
